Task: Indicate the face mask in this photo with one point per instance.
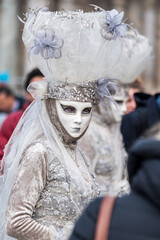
(119, 111)
(74, 116)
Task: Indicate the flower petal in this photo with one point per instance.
(121, 30)
(45, 53)
(57, 42)
(118, 18)
(51, 53)
(112, 13)
(47, 44)
(36, 50)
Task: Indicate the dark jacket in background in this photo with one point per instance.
(135, 123)
(137, 215)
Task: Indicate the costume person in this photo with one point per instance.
(103, 143)
(46, 178)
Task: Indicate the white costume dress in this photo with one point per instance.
(41, 205)
(53, 183)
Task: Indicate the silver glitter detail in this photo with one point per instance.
(86, 92)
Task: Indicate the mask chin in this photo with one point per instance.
(53, 115)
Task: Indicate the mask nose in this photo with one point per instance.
(78, 118)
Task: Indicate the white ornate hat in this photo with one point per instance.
(75, 49)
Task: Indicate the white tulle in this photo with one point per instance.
(86, 55)
(136, 54)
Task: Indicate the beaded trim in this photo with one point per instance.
(86, 92)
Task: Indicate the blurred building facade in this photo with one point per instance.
(145, 14)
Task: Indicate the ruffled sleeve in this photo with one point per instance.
(30, 182)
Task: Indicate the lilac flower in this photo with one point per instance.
(114, 25)
(107, 88)
(47, 44)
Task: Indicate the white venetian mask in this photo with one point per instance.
(119, 111)
(74, 116)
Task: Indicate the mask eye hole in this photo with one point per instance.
(86, 111)
(119, 102)
(68, 109)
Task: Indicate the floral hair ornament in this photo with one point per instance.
(107, 88)
(72, 54)
(47, 43)
(112, 24)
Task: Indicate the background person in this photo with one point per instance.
(146, 114)
(103, 143)
(8, 102)
(135, 87)
(103, 146)
(11, 121)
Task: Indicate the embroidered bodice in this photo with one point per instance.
(45, 200)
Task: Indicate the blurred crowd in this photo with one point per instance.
(12, 107)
